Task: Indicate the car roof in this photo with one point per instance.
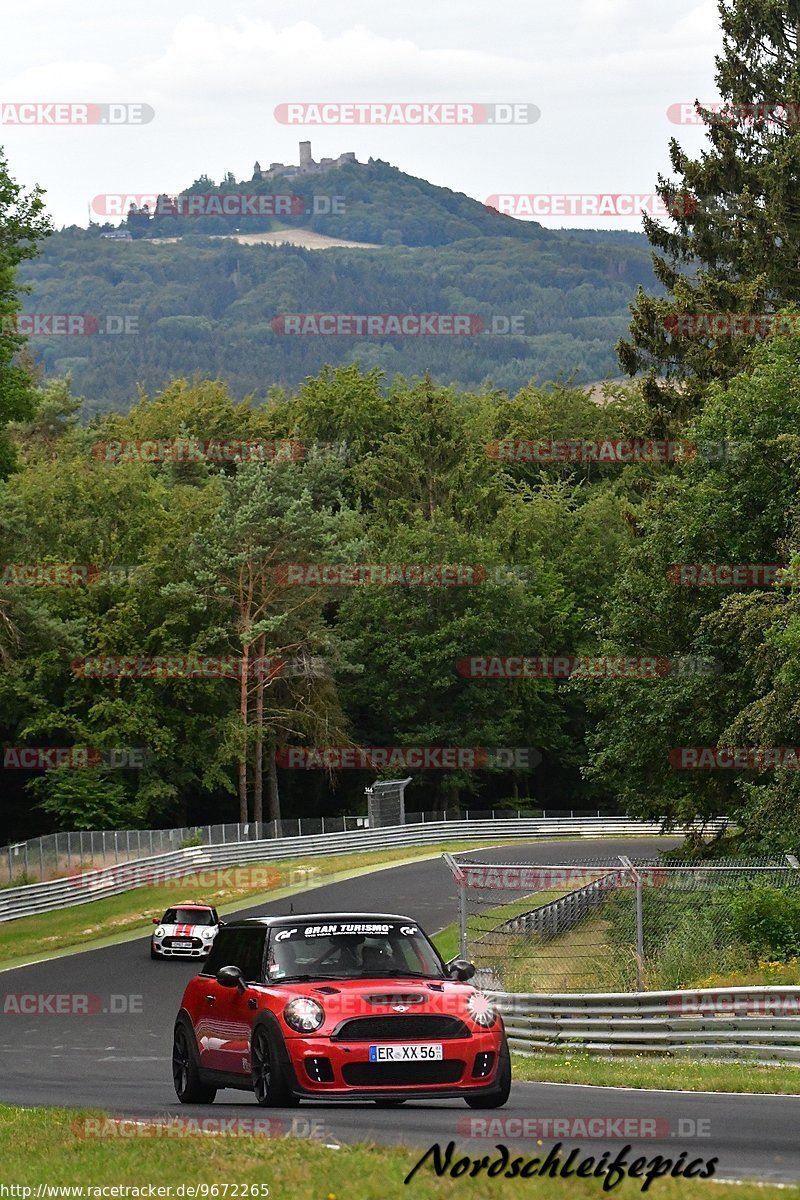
(192, 904)
(317, 919)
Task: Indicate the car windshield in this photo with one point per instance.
(188, 916)
(352, 950)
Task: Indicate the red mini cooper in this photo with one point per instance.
(350, 1006)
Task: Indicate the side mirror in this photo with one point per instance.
(231, 977)
(460, 969)
(156, 921)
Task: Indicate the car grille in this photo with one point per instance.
(400, 1029)
(366, 1074)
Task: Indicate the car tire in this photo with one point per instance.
(270, 1084)
(189, 1088)
(389, 1103)
(498, 1095)
(153, 954)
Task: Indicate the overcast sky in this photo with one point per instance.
(602, 72)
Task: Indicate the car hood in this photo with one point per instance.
(344, 999)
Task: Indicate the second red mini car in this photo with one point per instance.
(337, 1006)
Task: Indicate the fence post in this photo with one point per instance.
(41, 861)
(639, 935)
(637, 880)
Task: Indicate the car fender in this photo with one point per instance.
(268, 1020)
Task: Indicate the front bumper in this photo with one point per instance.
(163, 951)
(322, 1068)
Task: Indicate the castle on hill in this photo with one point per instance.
(307, 164)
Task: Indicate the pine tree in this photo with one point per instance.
(22, 223)
(731, 243)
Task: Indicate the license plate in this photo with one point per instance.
(181, 945)
(415, 1053)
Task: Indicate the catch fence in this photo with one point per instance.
(623, 925)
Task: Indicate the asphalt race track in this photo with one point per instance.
(119, 1059)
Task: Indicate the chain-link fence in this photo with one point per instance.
(623, 925)
(58, 854)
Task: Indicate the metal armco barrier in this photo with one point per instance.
(92, 885)
(757, 1023)
(559, 916)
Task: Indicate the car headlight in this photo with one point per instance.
(207, 933)
(159, 932)
(304, 1015)
(482, 1011)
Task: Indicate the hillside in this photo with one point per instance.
(542, 304)
(362, 202)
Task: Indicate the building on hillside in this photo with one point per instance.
(306, 166)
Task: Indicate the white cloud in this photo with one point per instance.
(602, 72)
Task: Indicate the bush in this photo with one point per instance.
(768, 920)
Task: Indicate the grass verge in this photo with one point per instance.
(43, 1146)
(686, 1074)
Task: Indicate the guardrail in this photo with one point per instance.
(561, 915)
(54, 854)
(92, 885)
(756, 1023)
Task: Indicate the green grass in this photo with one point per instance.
(643, 1071)
(45, 1146)
(130, 914)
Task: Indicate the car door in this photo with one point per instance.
(228, 1013)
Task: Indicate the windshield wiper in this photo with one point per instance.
(400, 975)
(302, 979)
